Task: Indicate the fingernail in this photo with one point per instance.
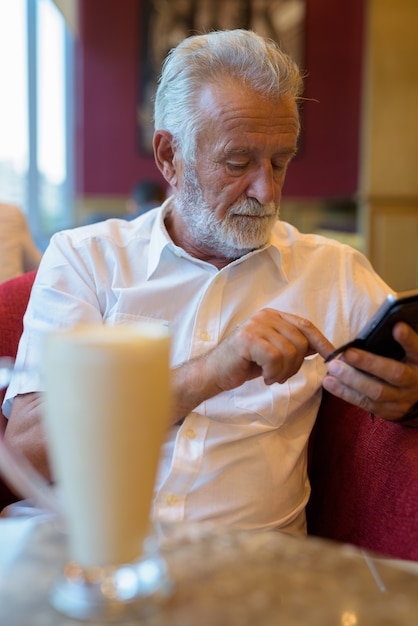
(335, 367)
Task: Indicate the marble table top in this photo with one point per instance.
(226, 578)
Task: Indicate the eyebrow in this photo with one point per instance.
(232, 151)
(286, 152)
(290, 151)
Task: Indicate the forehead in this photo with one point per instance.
(234, 115)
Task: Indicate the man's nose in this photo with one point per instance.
(263, 187)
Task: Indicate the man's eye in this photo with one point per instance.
(237, 167)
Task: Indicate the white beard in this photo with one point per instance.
(246, 226)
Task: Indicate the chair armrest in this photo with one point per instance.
(14, 296)
(364, 478)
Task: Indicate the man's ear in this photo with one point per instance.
(164, 155)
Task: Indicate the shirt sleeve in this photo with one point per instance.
(64, 294)
(364, 290)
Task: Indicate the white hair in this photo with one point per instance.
(258, 63)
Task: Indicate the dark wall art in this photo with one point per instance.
(166, 23)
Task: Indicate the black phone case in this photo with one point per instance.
(377, 337)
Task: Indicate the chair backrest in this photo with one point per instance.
(14, 296)
(364, 477)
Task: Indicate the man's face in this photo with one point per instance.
(229, 199)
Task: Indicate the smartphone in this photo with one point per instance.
(377, 337)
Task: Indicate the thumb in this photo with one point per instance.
(408, 338)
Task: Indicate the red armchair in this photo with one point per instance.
(14, 296)
(364, 478)
(364, 474)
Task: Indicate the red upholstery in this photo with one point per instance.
(364, 479)
(364, 475)
(14, 296)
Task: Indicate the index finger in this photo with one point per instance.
(317, 341)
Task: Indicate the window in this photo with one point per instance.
(35, 113)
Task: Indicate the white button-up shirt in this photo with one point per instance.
(240, 457)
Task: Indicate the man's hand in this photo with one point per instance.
(270, 344)
(24, 431)
(383, 386)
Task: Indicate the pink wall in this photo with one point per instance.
(108, 157)
(327, 165)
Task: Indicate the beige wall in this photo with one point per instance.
(389, 159)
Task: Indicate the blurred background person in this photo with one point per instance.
(18, 251)
(146, 195)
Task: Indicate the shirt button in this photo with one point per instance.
(205, 336)
(171, 499)
(190, 433)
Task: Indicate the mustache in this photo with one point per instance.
(253, 208)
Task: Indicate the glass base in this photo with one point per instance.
(112, 593)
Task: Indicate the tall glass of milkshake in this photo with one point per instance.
(107, 405)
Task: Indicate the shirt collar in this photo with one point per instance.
(160, 239)
(277, 250)
(274, 249)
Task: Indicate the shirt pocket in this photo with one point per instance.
(257, 401)
(304, 385)
(274, 404)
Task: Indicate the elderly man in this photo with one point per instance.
(254, 305)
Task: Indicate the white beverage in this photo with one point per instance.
(107, 411)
